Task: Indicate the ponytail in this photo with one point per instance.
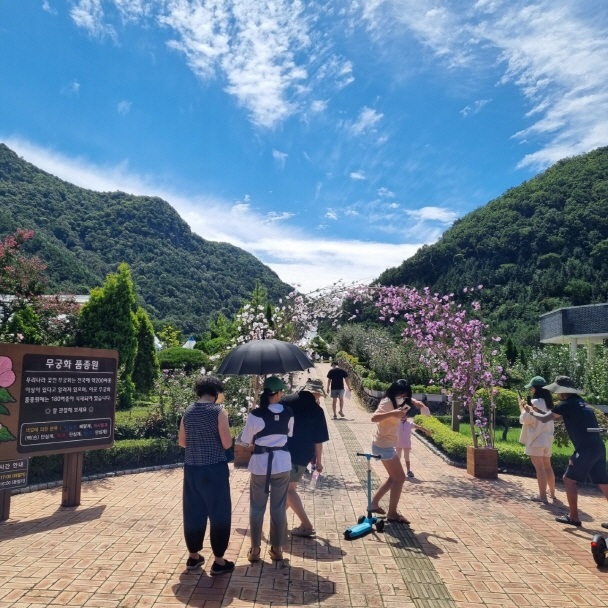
(265, 399)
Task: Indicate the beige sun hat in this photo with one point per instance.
(564, 385)
(313, 385)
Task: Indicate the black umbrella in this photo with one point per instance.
(262, 357)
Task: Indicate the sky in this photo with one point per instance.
(329, 139)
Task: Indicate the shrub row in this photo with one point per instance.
(124, 455)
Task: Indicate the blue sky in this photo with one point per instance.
(329, 139)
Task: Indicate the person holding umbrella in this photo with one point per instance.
(268, 428)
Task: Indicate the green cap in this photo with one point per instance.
(536, 381)
(273, 384)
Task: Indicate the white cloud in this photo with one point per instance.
(475, 108)
(296, 257)
(279, 157)
(358, 175)
(278, 216)
(554, 51)
(385, 193)
(331, 214)
(46, 6)
(71, 89)
(438, 214)
(366, 121)
(124, 107)
(88, 15)
(318, 105)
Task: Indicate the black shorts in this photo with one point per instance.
(590, 463)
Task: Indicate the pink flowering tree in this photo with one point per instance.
(26, 313)
(452, 343)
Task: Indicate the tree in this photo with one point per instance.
(146, 368)
(26, 314)
(108, 320)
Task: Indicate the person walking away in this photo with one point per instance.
(336, 378)
(589, 456)
(268, 428)
(538, 437)
(309, 434)
(205, 434)
(391, 410)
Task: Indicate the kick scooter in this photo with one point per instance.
(366, 524)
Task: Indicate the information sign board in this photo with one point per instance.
(55, 400)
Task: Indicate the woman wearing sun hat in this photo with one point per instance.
(268, 428)
(538, 437)
(589, 458)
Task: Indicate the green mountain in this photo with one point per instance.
(540, 246)
(83, 235)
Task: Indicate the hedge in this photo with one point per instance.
(124, 455)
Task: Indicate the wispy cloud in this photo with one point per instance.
(437, 214)
(475, 108)
(73, 88)
(89, 15)
(296, 257)
(46, 6)
(279, 157)
(385, 193)
(554, 51)
(331, 214)
(275, 217)
(366, 121)
(358, 175)
(124, 107)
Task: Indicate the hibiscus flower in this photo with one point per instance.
(7, 375)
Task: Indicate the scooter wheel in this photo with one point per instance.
(361, 519)
(380, 525)
(598, 549)
(347, 535)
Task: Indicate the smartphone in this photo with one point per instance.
(528, 400)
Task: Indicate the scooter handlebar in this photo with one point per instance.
(368, 455)
(597, 430)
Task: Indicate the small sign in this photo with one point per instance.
(13, 474)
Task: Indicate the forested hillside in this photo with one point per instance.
(540, 246)
(83, 235)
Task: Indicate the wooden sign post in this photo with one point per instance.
(55, 401)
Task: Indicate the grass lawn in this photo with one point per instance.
(513, 439)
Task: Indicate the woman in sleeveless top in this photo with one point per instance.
(268, 428)
(205, 434)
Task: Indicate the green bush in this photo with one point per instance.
(505, 400)
(124, 455)
(187, 359)
(453, 444)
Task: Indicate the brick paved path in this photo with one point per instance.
(472, 543)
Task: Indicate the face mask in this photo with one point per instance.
(400, 400)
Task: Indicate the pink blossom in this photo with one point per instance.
(7, 375)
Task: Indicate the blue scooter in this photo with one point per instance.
(599, 546)
(366, 524)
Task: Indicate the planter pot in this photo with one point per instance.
(373, 393)
(242, 455)
(482, 462)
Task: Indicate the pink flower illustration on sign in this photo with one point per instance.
(7, 375)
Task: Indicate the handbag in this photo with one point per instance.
(229, 454)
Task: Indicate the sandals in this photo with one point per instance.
(539, 499)
(566, 519)
(378, 510)
(303, 532)
(253, 555)
(398, 520)
(276, 556)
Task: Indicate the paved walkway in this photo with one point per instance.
(472, 543)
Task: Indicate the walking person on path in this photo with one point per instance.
(205, 434)
(589, 456)
(336, 378)
(538, 437)
(306, 443)
(268, 428)
(391, 410)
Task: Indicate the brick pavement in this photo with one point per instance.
(472, 543)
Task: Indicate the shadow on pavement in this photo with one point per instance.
(62, 518)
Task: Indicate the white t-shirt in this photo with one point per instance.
(281, 460)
